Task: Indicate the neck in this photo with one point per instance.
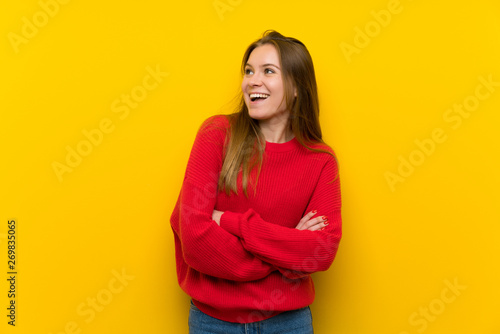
(276, 130)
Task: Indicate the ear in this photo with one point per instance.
(295, 91)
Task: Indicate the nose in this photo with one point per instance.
(255, 80)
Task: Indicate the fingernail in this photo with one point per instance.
(322, 228)
(326, 222)
(324, 218)
(314, 211)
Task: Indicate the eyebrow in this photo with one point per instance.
(264, 65)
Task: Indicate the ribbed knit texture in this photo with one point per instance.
(255, 264)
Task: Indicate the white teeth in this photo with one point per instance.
(263, 96)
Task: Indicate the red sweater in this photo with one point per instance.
(255, 264)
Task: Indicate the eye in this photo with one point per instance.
(268, 71)
(248, 71)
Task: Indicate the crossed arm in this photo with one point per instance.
(308, 222)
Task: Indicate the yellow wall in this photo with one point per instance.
(419, 175)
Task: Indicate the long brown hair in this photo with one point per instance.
(245, 143)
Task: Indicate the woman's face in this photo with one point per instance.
(262, 85)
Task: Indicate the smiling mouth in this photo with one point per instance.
(255, 97)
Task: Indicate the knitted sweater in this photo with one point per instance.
(255, 264)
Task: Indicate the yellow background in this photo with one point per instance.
(402, 245)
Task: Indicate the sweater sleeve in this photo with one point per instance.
(205, 246)
(295, 253)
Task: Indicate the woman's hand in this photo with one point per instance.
(216, 216)
(316, 223)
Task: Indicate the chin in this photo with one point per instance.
(257, 115)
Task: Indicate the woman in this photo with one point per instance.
(259, 208)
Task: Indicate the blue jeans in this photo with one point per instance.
(291, 322)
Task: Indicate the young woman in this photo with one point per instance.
(259, 210)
